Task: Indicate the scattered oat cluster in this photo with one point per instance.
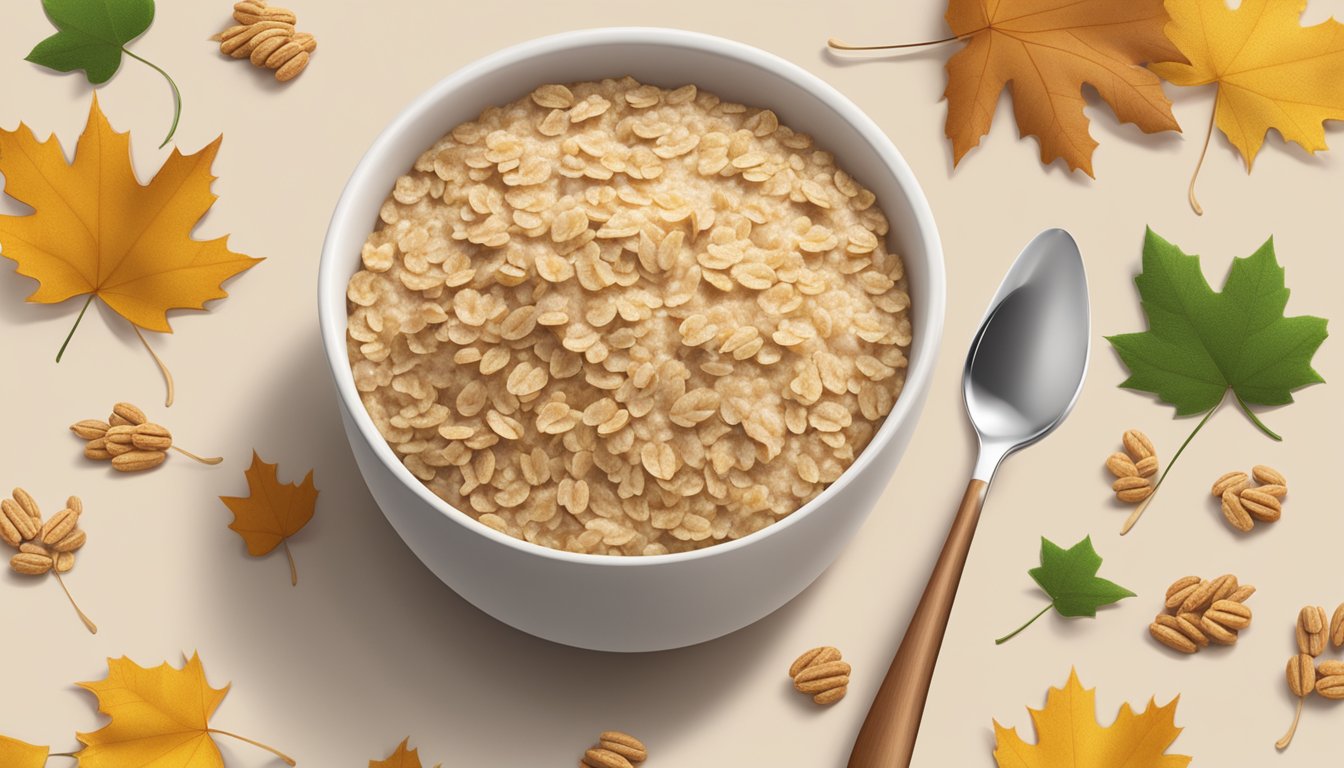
(821, 674)
(1134, 469)
(1199, 612)
(617, 319)
(615, 749)
(129, 440)
(1245, 503)
(43, 546)
(265, 35)
(1305, 675)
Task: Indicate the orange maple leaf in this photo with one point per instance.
(401, 758)
(273, 512)
(1046, 51)
(1068, 736)
(97, 231)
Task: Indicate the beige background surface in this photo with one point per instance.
(370, 647)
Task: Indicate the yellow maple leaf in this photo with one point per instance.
(159, 717)
(1271, 71)
(1068, 736)
(97, 231)
(401, 758)
(1046, 51)
(18, 754)
(274, 511)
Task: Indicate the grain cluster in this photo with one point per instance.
(614, 749)
(1134, 469)
(1199, 612)
(43, 545)
(1248, 499)
(1315, 632)
(129, 440)
(821, 674)
(612, 318)
(266, 36)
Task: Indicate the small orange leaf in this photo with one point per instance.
(273, 512)
(96, 230)
(1046, 51)
(401, 758)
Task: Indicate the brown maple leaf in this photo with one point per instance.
(1046, 51)
(402, 757)
(274, 512)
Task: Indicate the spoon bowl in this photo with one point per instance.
(1027, 363)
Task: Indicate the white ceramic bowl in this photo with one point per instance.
(664, 601)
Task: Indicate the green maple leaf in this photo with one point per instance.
(1202, 345)
(92, 35)
(1069, 578)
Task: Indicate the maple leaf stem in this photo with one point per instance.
(1138, 511)
(842, 46)
(1292, 729)
(293, 569)
(1260, 425)
(163, 369)
(71, 334)
(177, 94)
(1194, 201)
(70, 755)
(93, 628)
(288, 760)
(1014, 633)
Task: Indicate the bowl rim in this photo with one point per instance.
(931, 308)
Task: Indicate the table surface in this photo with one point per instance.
(371, 647)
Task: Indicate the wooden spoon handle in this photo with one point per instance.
(887, 738)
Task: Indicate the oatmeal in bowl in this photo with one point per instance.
(780, 440)
(613, 318)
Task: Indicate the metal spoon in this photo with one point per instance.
(1022, 376)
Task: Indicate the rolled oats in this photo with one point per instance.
(618, 319)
